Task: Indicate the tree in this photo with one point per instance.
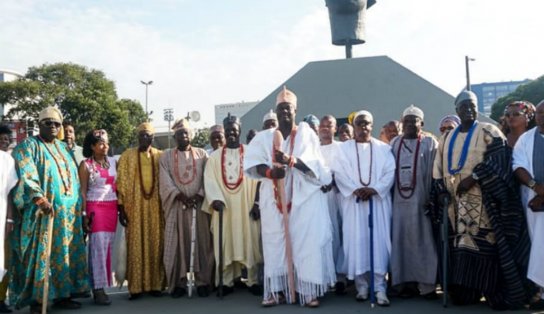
(532, 91)
(201, 138)
(85, 97)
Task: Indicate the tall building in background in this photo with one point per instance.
(236, 109)
(488, 93)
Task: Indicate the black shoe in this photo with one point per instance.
(430, 296)
(155, 293)
(256, 290)
(226, 290)
(239, 284)
(135, 296)
(67, 304)
(340, 288)
(100, 297)
(81, 295)
(36, 309)
(178, 292)
(203, 291)
(4, 308)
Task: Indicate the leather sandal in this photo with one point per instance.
(313, 304)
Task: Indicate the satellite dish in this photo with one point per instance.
(195, 116)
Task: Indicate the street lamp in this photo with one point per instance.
(146, 86)
(467, 59)
(169, 117)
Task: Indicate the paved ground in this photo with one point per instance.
(242, 302)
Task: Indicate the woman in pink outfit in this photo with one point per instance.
(97, 174)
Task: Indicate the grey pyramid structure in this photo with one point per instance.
(377, 84)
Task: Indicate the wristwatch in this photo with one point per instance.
(531, 184)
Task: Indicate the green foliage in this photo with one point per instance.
(532, 91)
(85, 96)
(201, 138)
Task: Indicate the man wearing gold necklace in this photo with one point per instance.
(487, 228)
(48, 189)
(230, 191)
(140, 212)
(182, 194)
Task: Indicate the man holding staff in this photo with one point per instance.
(309, 225)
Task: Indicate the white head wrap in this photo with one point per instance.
(466, 95)
(363, 113)
(270, 116)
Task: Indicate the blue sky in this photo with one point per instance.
(202, 53)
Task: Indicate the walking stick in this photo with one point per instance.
(47, 260)
(279, 184)
(371, 229)
(191, 274)
(445, 202)
(220, 291)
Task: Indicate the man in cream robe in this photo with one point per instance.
(228, 190)
(309, 221)
(365, 169)
(528, 166)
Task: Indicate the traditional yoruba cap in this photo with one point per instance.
(50, 113)
(466, 95)
(311, 119)
(413, 111)
(231, 119)
(217, 128)
(286, 95)
(181, 123)
(146, 126)
(362, 113)
(450, 118)
(270, 116)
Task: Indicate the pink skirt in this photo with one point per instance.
(104, 215)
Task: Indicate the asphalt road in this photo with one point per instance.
(242, 301)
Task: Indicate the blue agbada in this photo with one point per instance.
(46, 170)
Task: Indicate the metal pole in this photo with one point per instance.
(467, 72)
(348, 50)
(146, 112)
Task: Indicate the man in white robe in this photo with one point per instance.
(8, 179)
(528, 166)
(309, 221)
(330, 150)
(365, 172)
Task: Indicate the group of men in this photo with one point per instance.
(295, 212)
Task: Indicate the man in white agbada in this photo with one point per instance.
(364, 170)
(229, 191)
(330, 149)
(309, 221)
(528, 166)
(8, 179)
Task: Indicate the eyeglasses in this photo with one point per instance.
(50, 123)
(513, 114)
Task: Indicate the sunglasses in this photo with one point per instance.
(50, 123)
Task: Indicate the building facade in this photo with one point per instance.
(236, 109)
(488, 93)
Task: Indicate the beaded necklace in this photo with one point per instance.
(189, 168)
(68, 182)
(232, 186)
(464, 151)
(359, 165)
(291, 147)
(412, 187)
(142, 188)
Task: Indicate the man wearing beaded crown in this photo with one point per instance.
(365, 169)
(182, 189)
(48, 189)
(302, 168)
(487, 233)
(413, 257)
(140, 212)
(230, 191)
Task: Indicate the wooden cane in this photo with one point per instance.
(191, 274)
(280, 188)
(47, 260)
(220, 288)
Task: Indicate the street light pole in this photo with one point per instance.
(146, 86)
(169, 117)
(467, 59)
